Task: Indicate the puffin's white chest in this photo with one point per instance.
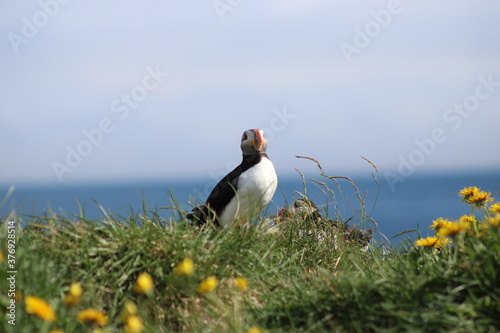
(256, 187)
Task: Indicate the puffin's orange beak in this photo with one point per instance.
(258, 141)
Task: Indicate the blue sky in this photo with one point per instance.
(129, 90)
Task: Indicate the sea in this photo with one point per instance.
(401, 209)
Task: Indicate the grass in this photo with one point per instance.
(296, 283)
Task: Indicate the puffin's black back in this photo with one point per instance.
(223, 192)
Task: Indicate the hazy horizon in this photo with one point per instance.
(295, 176)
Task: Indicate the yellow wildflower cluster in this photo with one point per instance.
(131, 321)
(465, 224)
(186, 268)
(474, 196)
(42, 309)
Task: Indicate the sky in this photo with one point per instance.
(113, 91)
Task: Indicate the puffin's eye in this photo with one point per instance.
(244, 137)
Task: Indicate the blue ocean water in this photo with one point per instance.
(411, 204)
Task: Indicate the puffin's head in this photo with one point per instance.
(301, 207)
(253, 142)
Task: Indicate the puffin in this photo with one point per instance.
(243, 193)
(308, 211)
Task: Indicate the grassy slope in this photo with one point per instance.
(297, 284)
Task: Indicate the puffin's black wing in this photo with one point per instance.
(226, 189)
(223, 192)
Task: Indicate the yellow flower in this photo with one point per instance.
(466, 219)
(494, 221)
(133, 324)
(442, 242)
(255, 329)
(495, 208)
(453, 229)
(435, 242)
(185, 267)
(75, 293)
(440, 223)
(426, 242)
(207, 285)
(468, 193)
(144, 284)
(480, 199)
(2, 257)
(129, 309)
(57, 331)
(241, 283)
(40, 308)
(92, 315)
